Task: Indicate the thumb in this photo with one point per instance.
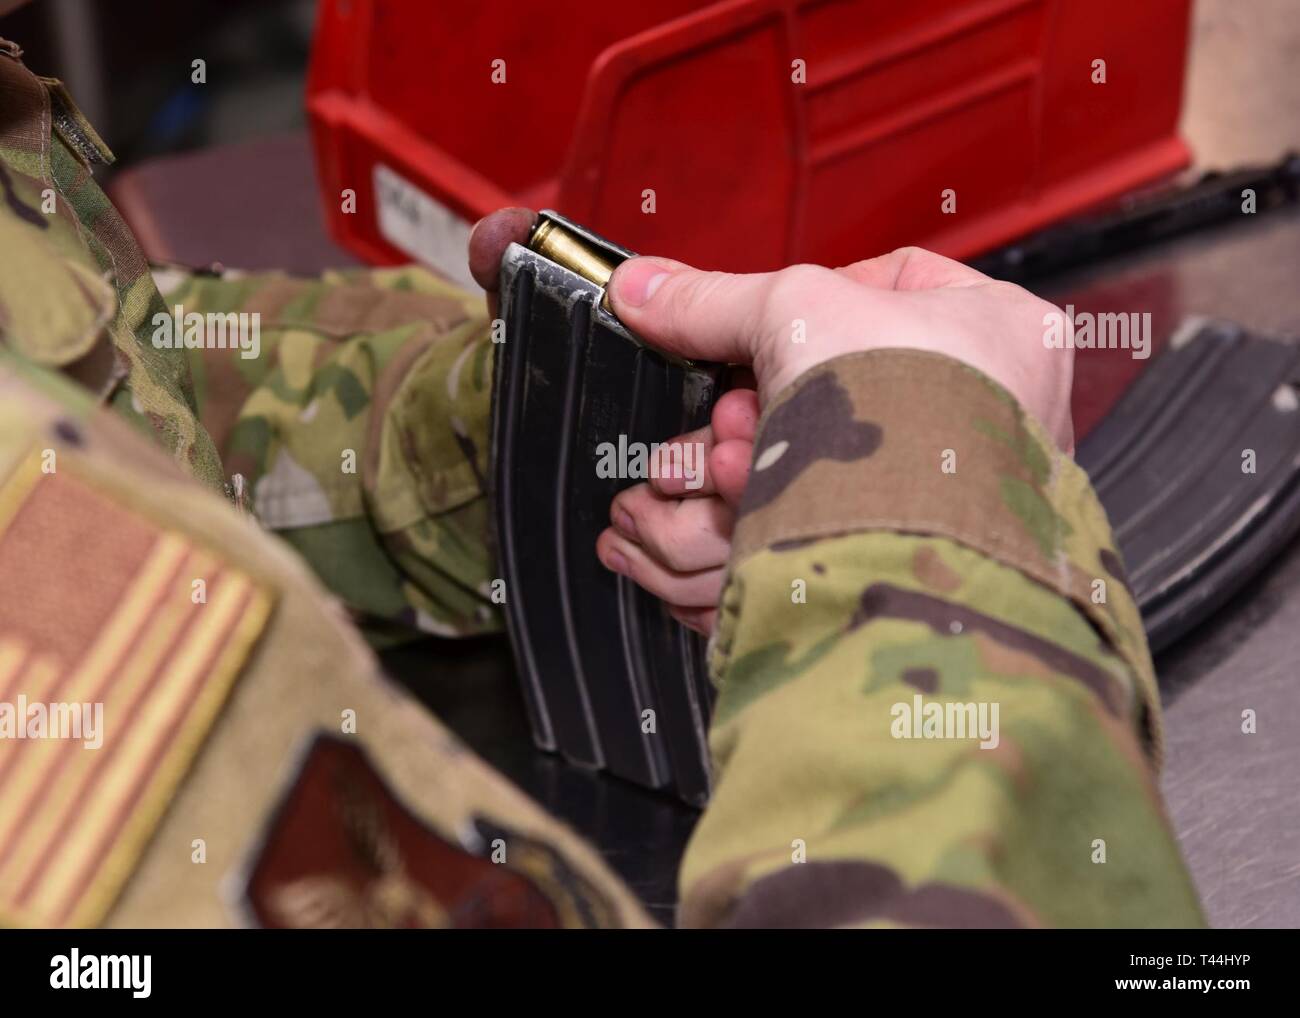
(710, 316)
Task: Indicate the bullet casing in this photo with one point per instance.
(552, 241)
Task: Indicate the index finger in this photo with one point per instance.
(488, 242)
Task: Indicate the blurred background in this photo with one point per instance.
(198, 165)
(128, 66)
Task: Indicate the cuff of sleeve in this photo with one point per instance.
(423, 479)
(915, 442)
(432, 450)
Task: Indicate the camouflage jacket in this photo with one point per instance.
(350, 412)
(936, 704)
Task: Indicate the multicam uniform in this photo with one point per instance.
(256, 767)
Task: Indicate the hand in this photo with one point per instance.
(675, 541)
(908, 298)
(676, 548)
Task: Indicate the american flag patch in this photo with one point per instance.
(119, 642)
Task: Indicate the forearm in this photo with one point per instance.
(359, 427)
(936, 706)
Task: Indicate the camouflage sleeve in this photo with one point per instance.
(355, 408)
(936, 705)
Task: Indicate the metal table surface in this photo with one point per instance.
(1232, 796)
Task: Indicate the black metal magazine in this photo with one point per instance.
(610, 679)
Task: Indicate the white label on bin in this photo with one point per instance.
(425, 229)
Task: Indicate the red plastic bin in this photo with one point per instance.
(993, 100)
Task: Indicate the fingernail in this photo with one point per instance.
(623, 520)
(637, 280)
(615, 562)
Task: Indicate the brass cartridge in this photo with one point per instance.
(553, 241)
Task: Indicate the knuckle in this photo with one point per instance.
(1046, 307)
(910, 260)
(630, 506)
(621, 503)
(671, 548)
(791, 291)
(1042, 313)
(1014, 293)
(1004, 290)
(908, 252)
